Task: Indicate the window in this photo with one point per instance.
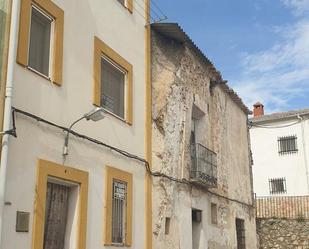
(167, 225)
(127, 3)
(112, 81)
(197, 228)
(240, 233)
(118, 213)
(214, 213)
(118, 230)
(112, 87)
(39, 49)
(61, 219)
(277, 186)
(40, 41)
(287, 145)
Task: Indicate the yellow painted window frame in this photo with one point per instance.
(102, 49)
(49, 169)
(129, 6)
(117, 174)
(24, 35)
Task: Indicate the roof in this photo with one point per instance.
(279, 116)
(175, 32)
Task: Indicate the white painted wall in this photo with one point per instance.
(125, 33)
(268, 163)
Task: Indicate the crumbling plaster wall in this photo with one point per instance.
(178, 79)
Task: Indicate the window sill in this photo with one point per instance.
(38, 73)
(117, 117)
(281, 153)
(116, 245)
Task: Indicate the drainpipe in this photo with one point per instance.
(304, 149)
(7, 108)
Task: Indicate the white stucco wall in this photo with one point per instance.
(268, 163)
(123, 32)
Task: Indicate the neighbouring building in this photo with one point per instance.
(280, 175)
(280, 148)
(66, 182)
(202, 189)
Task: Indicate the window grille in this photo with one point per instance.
(240, 232)
(287, 145)
(40, 42)
(119, 211)
(112, 87)
(277, 186)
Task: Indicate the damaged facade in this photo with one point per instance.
(203, 198)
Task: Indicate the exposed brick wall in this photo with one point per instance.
(283, 233)
(292, 207)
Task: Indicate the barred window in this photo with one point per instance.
(119, 211)
(287, 145)
(240, 233)
(277, 186)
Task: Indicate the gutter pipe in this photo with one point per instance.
(7, 117)
(304, 150)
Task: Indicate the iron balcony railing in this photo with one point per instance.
(203, 165)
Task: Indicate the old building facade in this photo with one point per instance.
(66, 182)
(202, 194)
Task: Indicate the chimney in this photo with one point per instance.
(258, 109)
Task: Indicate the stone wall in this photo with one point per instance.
(179, 80)
(283, 233)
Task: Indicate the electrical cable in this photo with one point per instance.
(157, 7)
(251, 124)
(142, 15)
(122, 152)
(154, 16)
(155, 13)
(272, 127)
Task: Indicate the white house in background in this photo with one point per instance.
(280, 148)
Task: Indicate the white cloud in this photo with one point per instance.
(299, 7)
(281, 73)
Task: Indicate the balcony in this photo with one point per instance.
(203, 166)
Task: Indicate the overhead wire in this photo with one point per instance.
(13, 132)
(154, 15)
(251, 124)
(143, 9)
(157, 7)
(141, 5)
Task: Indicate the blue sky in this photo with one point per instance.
(260, 46)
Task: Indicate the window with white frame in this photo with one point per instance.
(119, 211)
(40, 42)
(113, 87)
